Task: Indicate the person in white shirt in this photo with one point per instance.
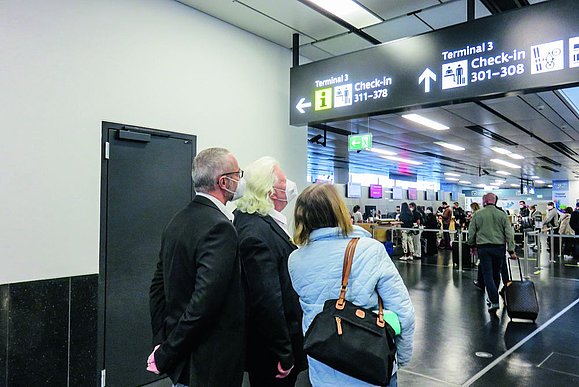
(358, 218)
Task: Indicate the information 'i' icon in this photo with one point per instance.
(323, 99)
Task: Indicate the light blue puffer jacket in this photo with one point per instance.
(316, 275)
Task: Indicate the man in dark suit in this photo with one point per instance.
(196, 296)
(274, 336)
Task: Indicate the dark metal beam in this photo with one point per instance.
(296, 50)
(500, 6)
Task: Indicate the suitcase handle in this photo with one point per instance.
(510, 270)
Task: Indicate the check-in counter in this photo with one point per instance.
(380, 231)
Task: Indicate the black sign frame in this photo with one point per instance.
(512, 53)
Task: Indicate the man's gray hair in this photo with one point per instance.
(208, 166)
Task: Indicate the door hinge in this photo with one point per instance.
(107, 150)
(103, 378)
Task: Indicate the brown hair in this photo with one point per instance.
(319, 206)
(474, 206)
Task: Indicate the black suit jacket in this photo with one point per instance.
(197, 300)
(274, 313)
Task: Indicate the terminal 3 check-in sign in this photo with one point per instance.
(531, 49)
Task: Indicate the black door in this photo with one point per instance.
(146, 179)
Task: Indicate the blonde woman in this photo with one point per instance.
(323, 229)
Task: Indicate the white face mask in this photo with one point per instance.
(550, 207)
(291, 191)
(428, 212)
(238, 193)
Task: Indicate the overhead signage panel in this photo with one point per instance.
(531, 49)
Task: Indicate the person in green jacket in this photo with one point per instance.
(491, 233)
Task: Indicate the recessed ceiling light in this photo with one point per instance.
(402, 160)
(550, 185)
(425, 121)
(451, 174)
(452, 179)
(502, 151)
(349, 11)
(449, 146)
(383, 152)
(515, 156)
(464, 182)
(535, 177)
(514, 185)
(539, 181)
(505, 163)
(504, 173)
(480, 185)
(495, 183)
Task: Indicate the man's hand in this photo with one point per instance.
(151, 365)
(281, 373)
(513, 256)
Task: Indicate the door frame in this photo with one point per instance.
(101, 311)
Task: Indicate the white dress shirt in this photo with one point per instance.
(219, 205)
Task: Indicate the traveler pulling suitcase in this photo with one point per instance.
(521, 297)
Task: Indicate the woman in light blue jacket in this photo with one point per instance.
(323, 229)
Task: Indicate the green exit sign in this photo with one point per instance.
(359, 142)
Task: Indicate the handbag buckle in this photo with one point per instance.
(360, 313)
(380, 322)
(340, 304)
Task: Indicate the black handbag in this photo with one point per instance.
(351, 339)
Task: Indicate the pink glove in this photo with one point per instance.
(281, 372)
(151, 366)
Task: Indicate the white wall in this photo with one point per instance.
(68, 65)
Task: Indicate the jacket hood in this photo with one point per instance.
(336, 233)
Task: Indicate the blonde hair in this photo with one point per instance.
(260, 178)
(319, 206)
(474, 206)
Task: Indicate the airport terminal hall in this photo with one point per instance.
(289, 193)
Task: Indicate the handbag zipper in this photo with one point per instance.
(339, 325)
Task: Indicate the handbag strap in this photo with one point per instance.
(347, 266)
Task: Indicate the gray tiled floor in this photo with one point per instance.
(453, 324)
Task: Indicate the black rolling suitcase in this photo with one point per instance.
(521, 297)
(466, 258)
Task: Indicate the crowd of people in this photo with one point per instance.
(236, 292)
(232, 292)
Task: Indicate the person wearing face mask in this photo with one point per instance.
(274, 354)
(490, 234)
(197, 298)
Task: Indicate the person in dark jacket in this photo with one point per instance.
(197, 298)
(275, 353)
(430, 222)
(574, 224)
(407, 220)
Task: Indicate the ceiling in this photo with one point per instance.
(542, 127)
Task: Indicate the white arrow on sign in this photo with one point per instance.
(355, 142)
(303, 104)
(426, 77)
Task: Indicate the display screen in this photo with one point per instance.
(353, 190)
(397, 193)
(412, 194)
(375, 191)
(534, 48)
